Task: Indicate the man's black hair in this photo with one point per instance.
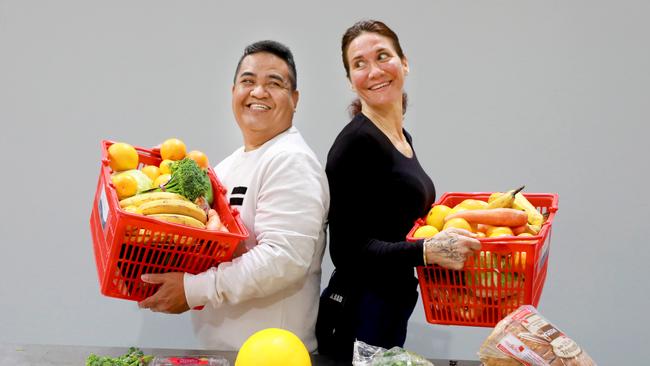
(274, 48)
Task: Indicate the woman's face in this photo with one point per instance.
(376, 71)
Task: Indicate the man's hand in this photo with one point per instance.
(170, 297)
(450, 248)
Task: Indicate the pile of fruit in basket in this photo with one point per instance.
(504, 214)
(178, 190)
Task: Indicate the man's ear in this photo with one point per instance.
(295, 95)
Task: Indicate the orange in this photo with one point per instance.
(200, 158)
(172, 149)
(122, 156)
(125, 185)
(458, 223)
(499, 231)
(166, 167)
(425, 231)
(151, 171)
(161, 180)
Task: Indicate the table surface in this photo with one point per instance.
(55, 355)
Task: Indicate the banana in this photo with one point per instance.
(521, 203)
(174, 206)
(505, 200)
(141, 198)
(179, 219)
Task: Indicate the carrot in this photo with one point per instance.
(495, 217)
(519, 229)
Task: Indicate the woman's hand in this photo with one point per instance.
(450, 248)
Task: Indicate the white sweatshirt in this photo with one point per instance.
(277, 282)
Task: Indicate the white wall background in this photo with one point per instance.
(553, 94)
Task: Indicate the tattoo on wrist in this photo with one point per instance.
(447, 249)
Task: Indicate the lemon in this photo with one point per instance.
(161, 180)
(436, 216)
(273, 347)
(172, 149)
(151, 171)
(472, 204)
(125, 185)
(496, 231)
(458, 223)
(122, 156)
(425, 231)
(166, 166)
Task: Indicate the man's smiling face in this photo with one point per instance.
(262, 99)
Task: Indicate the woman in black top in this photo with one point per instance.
(378, 189)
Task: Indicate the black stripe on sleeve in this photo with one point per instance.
(236, 201)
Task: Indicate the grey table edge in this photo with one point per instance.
(64, 355)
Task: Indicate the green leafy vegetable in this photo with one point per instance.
(188, 180)
(134, 357)
(397, 356)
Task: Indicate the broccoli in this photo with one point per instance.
(187, 180)
(134, 357)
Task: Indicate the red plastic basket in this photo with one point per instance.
(507, 272)
(126, 245)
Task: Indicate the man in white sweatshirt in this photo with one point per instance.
(280, 189)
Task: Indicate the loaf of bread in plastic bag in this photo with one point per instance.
(524, 337)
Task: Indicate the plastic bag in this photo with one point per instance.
(524, 337)
(367, 355)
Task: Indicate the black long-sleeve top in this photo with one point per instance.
(376, 194)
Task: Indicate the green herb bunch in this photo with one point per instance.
(134, 357)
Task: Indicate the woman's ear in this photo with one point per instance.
(405, 65)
